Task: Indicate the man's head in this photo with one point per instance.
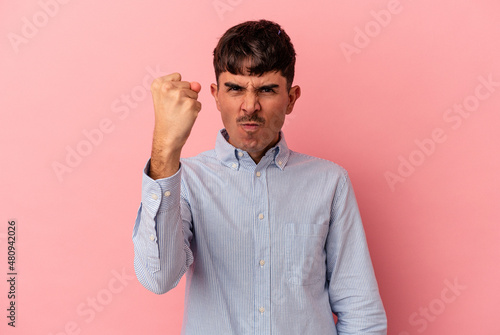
(254, 65)
(254, 48)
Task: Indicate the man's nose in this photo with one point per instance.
(250, 103)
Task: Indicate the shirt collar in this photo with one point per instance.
(231, 157)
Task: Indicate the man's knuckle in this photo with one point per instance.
(166, 86)
(155, 85)
(189, 103)
(174, 76)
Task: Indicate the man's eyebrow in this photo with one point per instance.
(268, 87)
(232, 85)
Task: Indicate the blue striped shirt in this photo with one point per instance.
(267, 248)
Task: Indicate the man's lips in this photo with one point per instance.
(249, 126)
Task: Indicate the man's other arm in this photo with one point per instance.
(353, 289)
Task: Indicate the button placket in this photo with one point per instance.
(262, 248)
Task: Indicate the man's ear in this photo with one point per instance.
(214, 89)
(293, 95)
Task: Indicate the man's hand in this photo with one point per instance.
(176, 108)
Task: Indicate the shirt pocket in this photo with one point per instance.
(305, 254)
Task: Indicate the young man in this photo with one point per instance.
(271, 240)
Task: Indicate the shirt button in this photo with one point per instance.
(280, 162)
(152, 237)
(262, 262)
(167, 194)
(240, 154)
(258, 173)
(154, 196)
(234, 165)
(261, 216)
(262, 310)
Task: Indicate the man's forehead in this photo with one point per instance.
(273, 77)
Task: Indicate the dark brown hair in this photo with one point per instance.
(254, 48)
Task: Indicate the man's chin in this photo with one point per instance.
(250, 147)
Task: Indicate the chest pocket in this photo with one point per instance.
(305, 253)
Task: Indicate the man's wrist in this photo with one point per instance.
(164, 163)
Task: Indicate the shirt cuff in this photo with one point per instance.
(162, 194)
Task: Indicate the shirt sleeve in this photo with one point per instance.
(162, 233)
(353, 289)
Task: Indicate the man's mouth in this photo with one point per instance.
(250, 126)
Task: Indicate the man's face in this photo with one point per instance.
(253, 109)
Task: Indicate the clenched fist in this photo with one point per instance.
(176, 108)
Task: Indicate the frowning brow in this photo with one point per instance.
(259, 88)
(233, 85)
(268, 87)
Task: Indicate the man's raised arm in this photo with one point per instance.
(162, 230)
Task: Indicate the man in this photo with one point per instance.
(271, 240)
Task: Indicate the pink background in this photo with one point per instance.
(371, 90)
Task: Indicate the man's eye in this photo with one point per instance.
(234, 88)
(267, 90)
